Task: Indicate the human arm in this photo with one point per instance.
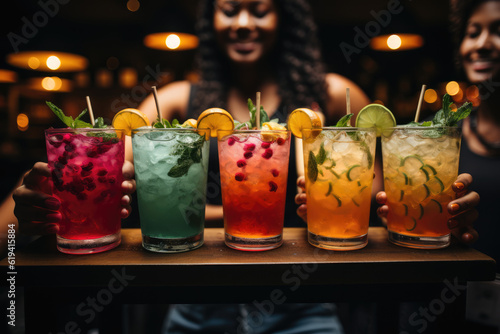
(337, 103)
(462, 209)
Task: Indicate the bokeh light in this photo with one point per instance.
(173, 41)
(53, 62)
(452, 88)
(33, 63)
(430, 96)
(394, 42)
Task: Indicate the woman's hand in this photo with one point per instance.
(301, 198)
(37, 210)
(462, 209)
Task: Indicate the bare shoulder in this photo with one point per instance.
(336, 89)
(172, 98)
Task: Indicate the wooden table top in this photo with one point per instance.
(214, 264)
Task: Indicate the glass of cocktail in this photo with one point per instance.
(338, 165)
(420, 166)
(86, 167)
(171, 175)
(253, 173)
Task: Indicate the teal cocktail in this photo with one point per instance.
(171, 174)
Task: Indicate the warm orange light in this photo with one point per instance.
(22, 121)
(128, 77)
(8, 76)
(172, 41)
(53, 62)
(133, 5)
(33, 63)
(430, 96)
(48, 61)
(472, 92)
(452, 88)
(51, 84)
(394, 42)
(390, 42)
(182, 40)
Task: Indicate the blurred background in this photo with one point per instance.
(62, 51)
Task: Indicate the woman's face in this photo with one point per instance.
(480, 48)
(246, 30)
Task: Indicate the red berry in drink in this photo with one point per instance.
(239, 176)
(69, 147)
(88, 166)
(248, 154)
(265, 144)
(102, 172)
(268, 153)
(249, 147)
(56, 140)
(241, 163)
(231, 141)
(91, 152)
(275, 172)
(273, 186)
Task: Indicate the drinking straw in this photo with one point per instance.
(348, 100)
(257, 114)
(422, 92)
(155, 94)
(89, 107)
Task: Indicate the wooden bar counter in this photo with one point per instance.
(214, 273)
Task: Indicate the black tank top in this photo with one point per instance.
(213, 180)
(485, 172)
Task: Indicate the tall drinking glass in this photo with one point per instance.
(86, 167)
(420, 166)
(339, 174)
(253, 173)
(171, 175)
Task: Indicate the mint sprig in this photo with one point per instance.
(189, 155)
(252, 123)
(344, 121)
(445, 117)
(77, 122)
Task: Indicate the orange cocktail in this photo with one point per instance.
(420, 166)
(339, 174)
(254, 170)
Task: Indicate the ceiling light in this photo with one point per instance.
(396, 42)
(48, 61)
(171, 41)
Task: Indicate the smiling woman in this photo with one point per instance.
(476, 27)
(246, 30)
(480, 47)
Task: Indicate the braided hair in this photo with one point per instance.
(300, 70)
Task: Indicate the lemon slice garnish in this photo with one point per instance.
(303, 118)
(215, 119)
(129, 119)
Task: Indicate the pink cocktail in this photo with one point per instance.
(86, 167)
